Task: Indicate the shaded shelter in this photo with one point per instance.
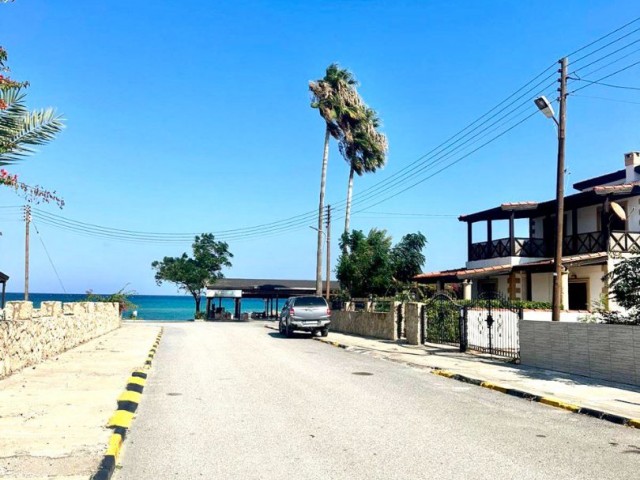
(269, 290)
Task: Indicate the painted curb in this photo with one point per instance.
(549, 401)
(121, 419)
(514, 392)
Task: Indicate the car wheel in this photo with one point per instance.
(324, 332)
(280, 327)
(289, 331)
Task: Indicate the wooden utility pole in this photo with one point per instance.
(328, 251)
(27, 221)
(557, 276)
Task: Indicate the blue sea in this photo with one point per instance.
(149, 307)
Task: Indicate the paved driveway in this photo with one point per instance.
(236, 400)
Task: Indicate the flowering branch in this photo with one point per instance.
(33, 194)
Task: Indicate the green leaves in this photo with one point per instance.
(369, 264)
(624, 282)
(193, 274)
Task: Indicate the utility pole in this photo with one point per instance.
(557, 276)
(328, 251)
(27, 221)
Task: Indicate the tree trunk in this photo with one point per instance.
(347, 213)
(197, 299)
(323, 178)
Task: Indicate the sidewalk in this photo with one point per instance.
(53, 415)
(558, 389)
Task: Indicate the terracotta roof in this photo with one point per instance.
(622, 188)
(518, 205)
(464, 273)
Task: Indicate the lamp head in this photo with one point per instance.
(544, 106)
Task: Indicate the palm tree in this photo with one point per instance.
(21, 129)
(365, 150)
(334, 96)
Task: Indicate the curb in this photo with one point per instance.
(549, 401)
(121, 419)
(514, 392)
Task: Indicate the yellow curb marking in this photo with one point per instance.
(121, 418)
(114, 445)
(493, 386)
(128, 396)
(442, 373)
(634, 422)
(553, 402)
(137, 381)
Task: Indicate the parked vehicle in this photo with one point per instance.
(308, 313)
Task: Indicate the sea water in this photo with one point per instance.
(149, 307)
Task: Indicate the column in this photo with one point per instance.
(565, 290)
(466, 289)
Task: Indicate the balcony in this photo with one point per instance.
(591, 242)
(522, 247)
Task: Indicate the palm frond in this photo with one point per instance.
(33, 128)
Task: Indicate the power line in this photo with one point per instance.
(606, 76)
(603, 37)
(49, 257)
(454, 145)
(607, 84)
(607, 99)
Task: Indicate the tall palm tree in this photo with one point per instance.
(334, 96)
(365, 150)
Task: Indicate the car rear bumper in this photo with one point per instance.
(309, 325)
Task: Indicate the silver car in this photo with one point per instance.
(308, 313)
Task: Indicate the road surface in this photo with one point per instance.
(237, 400)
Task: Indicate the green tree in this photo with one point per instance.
(334, 96)
(407, 257)
(369, 265)
(193, 274)
(365, 265)
(624, 282)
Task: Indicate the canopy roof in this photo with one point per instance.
(546, 265)
(269, 288)
(533, 210)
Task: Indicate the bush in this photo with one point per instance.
(121, 297)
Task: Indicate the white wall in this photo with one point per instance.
(541, 287)
(587, 219)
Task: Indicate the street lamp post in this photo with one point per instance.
(545, 107)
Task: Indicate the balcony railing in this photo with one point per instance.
(523, 247)
(590, 242)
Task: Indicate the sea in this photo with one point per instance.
(149, 307)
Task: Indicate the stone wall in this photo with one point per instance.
(366, 324)
(608, 352)
(29, 336)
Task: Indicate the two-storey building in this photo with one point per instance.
(601, 225)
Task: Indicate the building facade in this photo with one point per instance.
(601, 226)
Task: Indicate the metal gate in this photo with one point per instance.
(492, 325)
(443, 321)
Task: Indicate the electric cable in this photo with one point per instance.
(55, 270)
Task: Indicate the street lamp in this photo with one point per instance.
(328, 260)
(545, 107)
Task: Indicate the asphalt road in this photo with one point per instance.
(236, 400)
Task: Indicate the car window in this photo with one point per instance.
(310, 302)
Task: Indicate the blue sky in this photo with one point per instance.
(193, 116)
